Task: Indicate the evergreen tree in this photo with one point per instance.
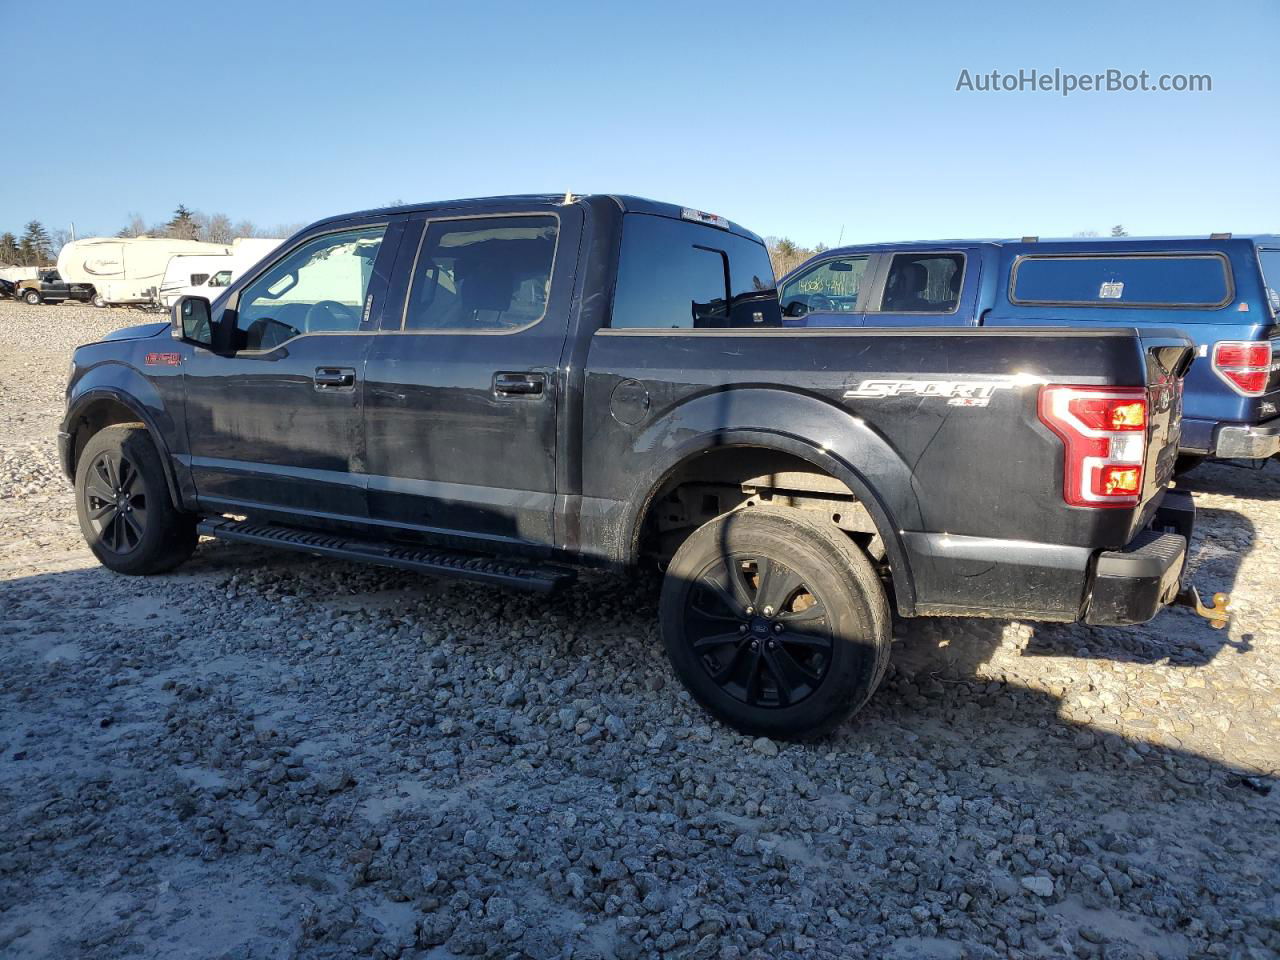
(34, 247)
(1119, 231)
(183, 225)
(9, 253)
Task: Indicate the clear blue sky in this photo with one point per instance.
(795, 119)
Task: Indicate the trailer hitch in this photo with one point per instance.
(1218, 613)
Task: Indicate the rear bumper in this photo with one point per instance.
(1134, 584)
(1255, 442)
(965, 576)
(1231, 441)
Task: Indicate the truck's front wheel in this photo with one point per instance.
(775, 621)
(123, 503)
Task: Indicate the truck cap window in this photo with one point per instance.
(828, 287)
(923, 283)
(1120, 280)
(679, 274)
(318, 287)
(482, 274)
(1270, 260)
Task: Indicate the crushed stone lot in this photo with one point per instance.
(268, 755)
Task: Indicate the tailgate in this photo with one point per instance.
(1168, 356)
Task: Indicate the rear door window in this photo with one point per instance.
(675, 274)
(828, 287)
(923, 283)
(483, 274)
(1137, 280)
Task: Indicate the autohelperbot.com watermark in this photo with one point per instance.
(1065, 82)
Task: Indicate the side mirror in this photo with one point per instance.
(192, 320)
(795, 309)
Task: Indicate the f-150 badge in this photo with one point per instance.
(958, 393)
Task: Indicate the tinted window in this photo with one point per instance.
(318, 287)
(831, 287)
(1270, 260)
(674, 273)
(1120, 281)
(923, 283)
(488, 273)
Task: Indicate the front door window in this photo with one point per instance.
(828, 287)
(319, 287)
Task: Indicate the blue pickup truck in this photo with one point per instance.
(1222, 291)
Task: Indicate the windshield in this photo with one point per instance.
(1270, 260)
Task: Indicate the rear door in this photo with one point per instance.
(925, 288)
(464, 380)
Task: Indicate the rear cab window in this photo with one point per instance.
(1122, 280)
(675, 274)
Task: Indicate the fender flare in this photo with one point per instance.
(827, 460)
(89, 397)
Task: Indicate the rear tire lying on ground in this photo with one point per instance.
(123, 503)
(775, 621)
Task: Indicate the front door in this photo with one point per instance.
(274, 416)
(463, 385)
(831, 293)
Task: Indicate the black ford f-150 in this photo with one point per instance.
(505, 389)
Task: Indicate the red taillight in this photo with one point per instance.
(1245, 365)
(1104, 430)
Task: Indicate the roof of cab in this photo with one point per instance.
(1174, 242)
(626, 203)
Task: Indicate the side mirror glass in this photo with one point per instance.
(192, 320)
(795, 309)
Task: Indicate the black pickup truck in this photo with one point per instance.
(506, 389)
(51, 288)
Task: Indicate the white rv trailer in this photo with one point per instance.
(126, 269)
(207, 276)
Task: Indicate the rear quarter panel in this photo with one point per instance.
(991, 471)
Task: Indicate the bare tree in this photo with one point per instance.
(1086, 233)
(136, 227)
(218, 229)
(786, 254)
(244, 228)
(57, 240)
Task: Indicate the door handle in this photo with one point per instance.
(519, 384)
(335, 378)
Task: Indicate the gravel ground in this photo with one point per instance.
(263, 755)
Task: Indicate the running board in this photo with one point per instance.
(437, 562)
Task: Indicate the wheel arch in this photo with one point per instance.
(820, 457)
(102, 407)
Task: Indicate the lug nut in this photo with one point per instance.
(770, 644)
(777, 628)
(750, 611)
(768, 611)
(742, 628)
(755, 644)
